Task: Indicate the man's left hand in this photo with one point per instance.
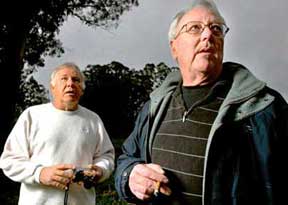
(94, 171)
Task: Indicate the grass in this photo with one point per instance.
(107, 195)
(105, 192)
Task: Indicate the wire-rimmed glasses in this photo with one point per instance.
(197, 27)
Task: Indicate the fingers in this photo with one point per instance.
(165, 190)
(58, 185)
(69, 173)
(64, 173)
(156, 167)
(64, 166)
(60, 179)
(145, 179)
(94, 171)
(58, 176)
(142, 192)
(151, 171)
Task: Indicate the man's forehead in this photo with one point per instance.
(67, 71)
(198, 13)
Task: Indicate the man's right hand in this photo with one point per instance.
(57, 176)
(144, 178)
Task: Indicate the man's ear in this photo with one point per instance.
(52, 87)
(173, 49)
(82, 92)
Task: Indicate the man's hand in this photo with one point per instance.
(95, 172)
(57, 176)
(148, 179)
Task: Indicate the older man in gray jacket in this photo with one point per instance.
(212, 133)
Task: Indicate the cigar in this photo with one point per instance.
(157, 188)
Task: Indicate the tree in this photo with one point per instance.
(107, 92)
(30, 92)
(28, 34)
(117, 93)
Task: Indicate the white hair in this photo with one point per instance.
(67, 65)
(209, 4)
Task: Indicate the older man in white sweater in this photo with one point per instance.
(51, 140)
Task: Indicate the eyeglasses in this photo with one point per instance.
(196, 28)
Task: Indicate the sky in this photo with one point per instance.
(258, 39)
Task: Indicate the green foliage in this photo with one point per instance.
(31, 92)
(37, 25)
(110, 91)
(117, 93)
(28, 33)
(104, 13)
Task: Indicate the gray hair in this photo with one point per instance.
(67, 65)
(204, 3)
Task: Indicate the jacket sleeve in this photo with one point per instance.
(272, 137)
(15, 159)
(279, 154)
(134, 151)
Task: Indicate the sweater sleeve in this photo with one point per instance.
(105, 154)
(15, 159)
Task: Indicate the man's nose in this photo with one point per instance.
(70, 82)
(206, 34)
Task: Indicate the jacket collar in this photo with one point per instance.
(244, 84)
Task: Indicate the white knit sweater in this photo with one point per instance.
(45, 136)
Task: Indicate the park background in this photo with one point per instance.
(124, 53)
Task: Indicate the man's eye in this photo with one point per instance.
(64, 79)
(77, 80)
(216, 28)
(195, 28)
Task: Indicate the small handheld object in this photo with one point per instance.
(81, 176)
(157, 188)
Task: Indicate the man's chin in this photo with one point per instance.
(70, 104)
(70, 98)
(206, 62)
(205, 65)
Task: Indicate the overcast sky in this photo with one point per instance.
(258, 39)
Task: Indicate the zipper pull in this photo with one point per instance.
(184, 116)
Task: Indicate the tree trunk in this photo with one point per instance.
(11, 67)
